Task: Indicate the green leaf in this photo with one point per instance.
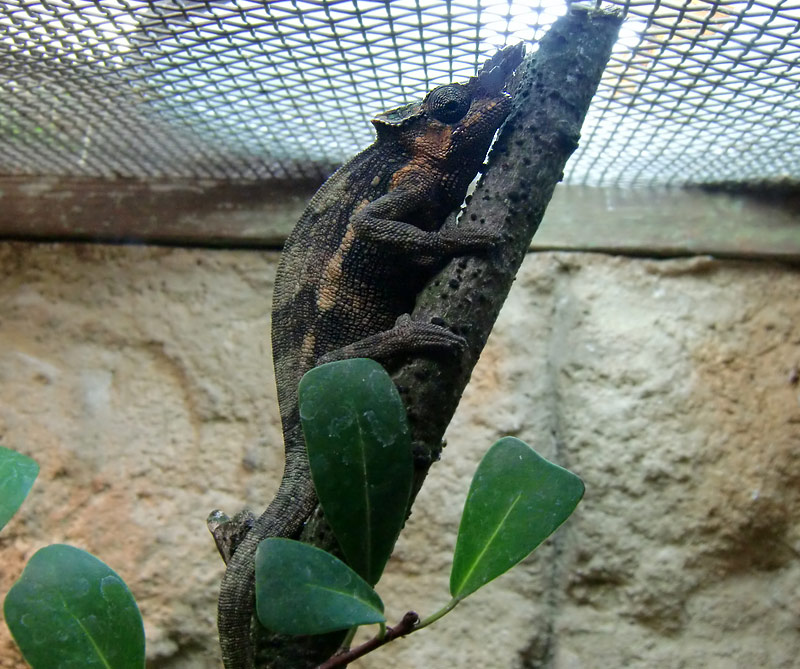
(359, 451)
(516, 500)
(17, 474)
(69, 609)
(301, 589)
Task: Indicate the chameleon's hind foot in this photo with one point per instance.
(420, 335)
(407, 336)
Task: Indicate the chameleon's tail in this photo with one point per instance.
(284, 517)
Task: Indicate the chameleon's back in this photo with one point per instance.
(311, 271)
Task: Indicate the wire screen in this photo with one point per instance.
(696, 91)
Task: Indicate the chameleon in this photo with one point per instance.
(365, 246)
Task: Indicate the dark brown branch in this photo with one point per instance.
(405, 626)
(551, 100)
(527, 161)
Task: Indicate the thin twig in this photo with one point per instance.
(405, 626)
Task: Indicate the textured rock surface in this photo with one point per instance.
(140, 379)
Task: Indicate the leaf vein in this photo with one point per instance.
(489, 542)
(100, 653)
(367, 505)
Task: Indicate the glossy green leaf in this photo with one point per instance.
(69, 609)
(301, 589)
(516, 500)
(359, 451)
(17, 474)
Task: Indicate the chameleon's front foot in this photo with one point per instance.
(229, 532)
(469, 238)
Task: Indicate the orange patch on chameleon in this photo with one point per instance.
(332, 274)
(428, 148)
(307, 347)
(358, 209)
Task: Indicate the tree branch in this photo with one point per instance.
(405, 626)
(552, 97)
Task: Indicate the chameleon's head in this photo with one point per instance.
(455, 123)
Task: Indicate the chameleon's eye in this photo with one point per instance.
(449, 104)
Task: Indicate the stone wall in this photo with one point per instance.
(140, 379)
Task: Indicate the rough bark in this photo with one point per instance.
(527, 161)
(552, 95)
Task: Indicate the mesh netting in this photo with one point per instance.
(697, 91)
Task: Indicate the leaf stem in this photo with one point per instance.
(351, 633)
(435, 616)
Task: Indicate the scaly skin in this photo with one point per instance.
(368, 242)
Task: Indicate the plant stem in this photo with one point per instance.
(405, 626)
(410, 623)
(435, 616)
(349, 638)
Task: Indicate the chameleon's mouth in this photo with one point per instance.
(496, 108)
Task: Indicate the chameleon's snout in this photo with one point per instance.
(497, 70)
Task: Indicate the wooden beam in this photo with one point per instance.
(661, 222)
(670, 222)
(201, 213)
